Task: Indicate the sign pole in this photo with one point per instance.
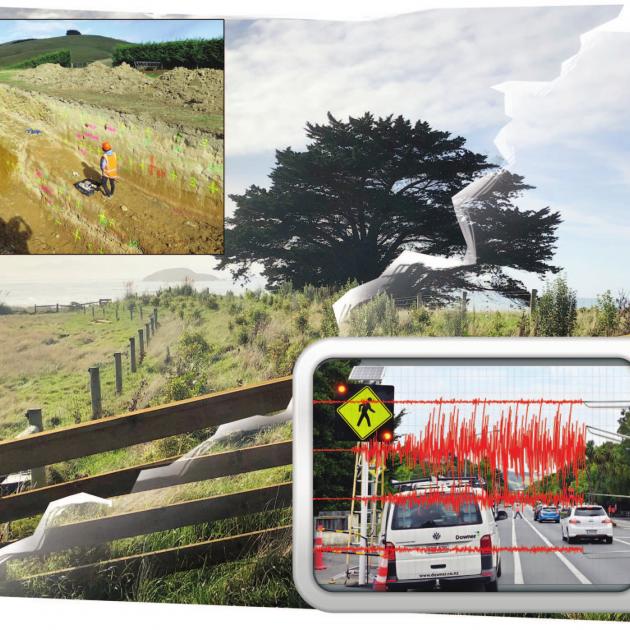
(363, 530)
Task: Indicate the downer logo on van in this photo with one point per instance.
(465, 536)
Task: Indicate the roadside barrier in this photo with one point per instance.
(138, 427)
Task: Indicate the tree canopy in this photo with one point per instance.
(364, 190)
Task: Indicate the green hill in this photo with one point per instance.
(83, 48)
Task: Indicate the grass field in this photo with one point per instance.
(83, 49)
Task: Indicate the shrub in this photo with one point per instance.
(62, 57)
(328, 327)
(421, 319)
(556, 312)
(196, 316)
(377, 317)
(186, 53)
(301, 322)
(187, 385)
(194, 348)
(456, 322)
(607, 321)
(210, 301)
(623, 305)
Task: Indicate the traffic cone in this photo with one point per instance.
(318, 554)
(380, 582)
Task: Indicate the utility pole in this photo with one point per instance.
(363, 528)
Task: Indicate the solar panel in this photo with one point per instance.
(367, 373)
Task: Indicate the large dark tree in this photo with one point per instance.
(366, 189)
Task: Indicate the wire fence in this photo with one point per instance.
(516, 300)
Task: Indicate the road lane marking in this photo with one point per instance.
(621, 541)
(576, 572)
(518, 570)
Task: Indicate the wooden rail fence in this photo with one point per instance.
(48, 447)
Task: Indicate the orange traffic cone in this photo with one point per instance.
(318, 554)
(380, 582)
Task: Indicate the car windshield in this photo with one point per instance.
(590, 511)
(550, 508)
(436, 515)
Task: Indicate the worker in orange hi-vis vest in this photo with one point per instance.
(109, 169)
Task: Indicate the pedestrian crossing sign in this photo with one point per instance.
(364, 412)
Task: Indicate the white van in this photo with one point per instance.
(424, 539)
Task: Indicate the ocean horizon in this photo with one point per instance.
(24, 294)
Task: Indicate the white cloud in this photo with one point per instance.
(434, 65)
(584, 107)
(23, 29)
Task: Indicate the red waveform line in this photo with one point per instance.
(457, 498)
(520, 439)
(459, 401)
(378, 549)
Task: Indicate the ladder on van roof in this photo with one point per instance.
(439, 481)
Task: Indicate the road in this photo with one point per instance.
(597, 564)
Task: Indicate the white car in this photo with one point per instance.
(425, 537)
(586, 521)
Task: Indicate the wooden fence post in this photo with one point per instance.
(34, 309)
(36, 425)
(141, 315)
(93, 312)
(118, 368)
(155, 317)
(95, 392)
(147, 334)
(117, 316)
(152, 324)
(533, 299)
(464, 301)
(140, 345)
(132, 353)
(57, 308)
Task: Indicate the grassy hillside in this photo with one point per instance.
(83, 48)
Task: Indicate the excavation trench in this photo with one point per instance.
(169, 196)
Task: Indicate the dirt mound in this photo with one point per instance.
(201, 90)
(96, 77)
(46, 73)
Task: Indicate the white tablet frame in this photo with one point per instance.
(407, 348)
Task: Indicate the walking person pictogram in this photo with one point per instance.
(365, 408)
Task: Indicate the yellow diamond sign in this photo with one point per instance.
(364, 412)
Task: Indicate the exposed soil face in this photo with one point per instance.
(200, 89)
(169, 196)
